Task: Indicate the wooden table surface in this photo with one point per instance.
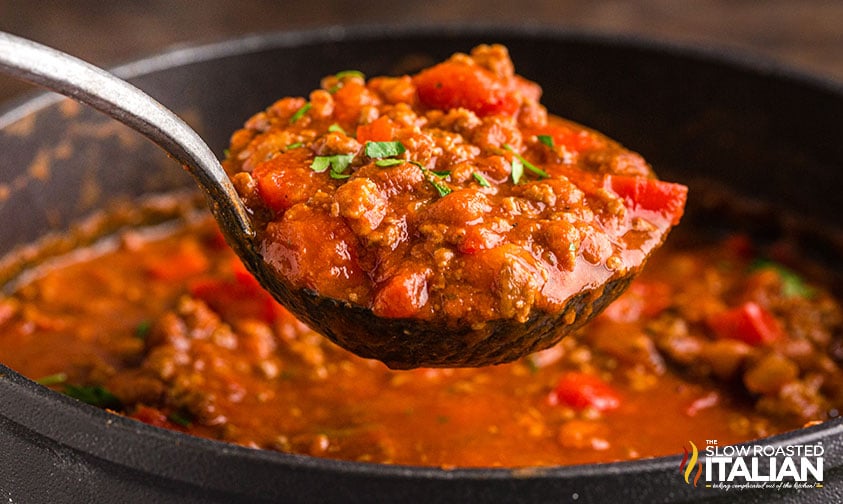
(806, 34)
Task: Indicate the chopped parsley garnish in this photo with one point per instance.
(379, 150)
(95, 395)
(181, 418)
(531, 364)
(350, 73)
(517, 170)
(792, 284)
(432, 178)
(341, 75)
(338, 164)
(142, 329)
(339, 176)
(336, 128)
(294, 145)
(383, 163)
(320, 163)
(481, 179)
(300, 112)
(441, 188)
(528, 165)
(547, 140)
(53, 379)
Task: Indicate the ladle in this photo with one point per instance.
(400, 343)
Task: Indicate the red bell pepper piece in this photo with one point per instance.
(238, 297)
(641, 299)
(666, 199)
(583, 390)
(151, 416)
(749, 323)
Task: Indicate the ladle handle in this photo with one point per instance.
(103, 91)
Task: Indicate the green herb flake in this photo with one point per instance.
(378, 150)
(339, 176)
(320, 163)
(95, 395)
(180, 418)
(142, 329)
(528, 165)
(53, 379)
(226, 153)
(338, 164)
(432, 177)
(342, 75)
(441, 188)
(300, 112)
(441, 173)
(517, 170)
(383, 163)
(481, 179)
(792, 284)
(336, 128)
(350, 73)
(531, 365)
(294, 145)
(547, 140)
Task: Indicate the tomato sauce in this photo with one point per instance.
(170, 329)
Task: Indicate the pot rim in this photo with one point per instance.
(179, 55)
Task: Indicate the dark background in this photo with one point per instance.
(806, 34)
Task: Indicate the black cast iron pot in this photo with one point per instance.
(698, 117)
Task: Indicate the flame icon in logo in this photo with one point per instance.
(686, 467)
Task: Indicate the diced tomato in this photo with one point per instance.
(151, 416)
(286, 179)
(641, 299)
(188, 261)
(478, 238)
(381, 130)
(583, 390)
(452, 85)
(749, 323)
(573, 139)
(239, 297)
(316, 250)
(349, 100)
(402, 296)
(666, 199)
